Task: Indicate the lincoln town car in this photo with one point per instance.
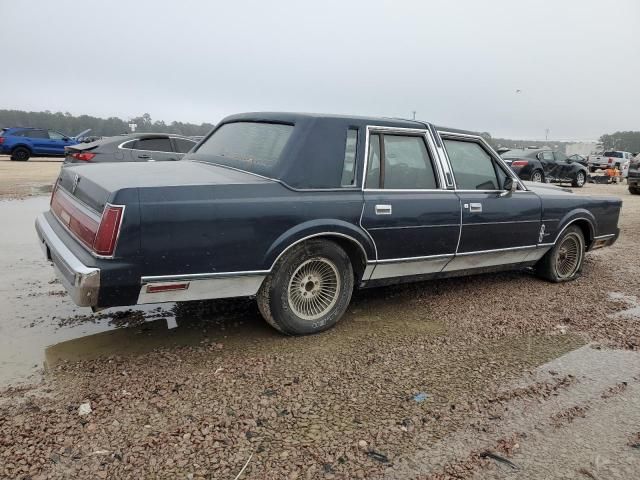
(298, 210)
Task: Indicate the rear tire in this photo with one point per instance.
(308, 290)
(634, 190)
(537, 176)
(579, 180)
(564, 261)
(20, 154)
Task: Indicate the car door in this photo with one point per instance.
(564, 167)
(182, 146)
(413, 221)
(498, 227)
(57, 142)
(548, 163)
(154, 149)
(39, 140)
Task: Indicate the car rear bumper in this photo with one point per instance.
(82, 282)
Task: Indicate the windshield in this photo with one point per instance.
(252, 146)
(613, 154)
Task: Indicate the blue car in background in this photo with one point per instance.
(25, 142)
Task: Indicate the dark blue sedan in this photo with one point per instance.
(297, 210)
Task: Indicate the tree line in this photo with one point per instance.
(625, 141)
(103, 127)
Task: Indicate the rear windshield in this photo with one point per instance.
(252, 146)
(612, 154)
(514, 154)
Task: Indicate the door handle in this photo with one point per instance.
(383, 209)
(475, 207)
(144, 155)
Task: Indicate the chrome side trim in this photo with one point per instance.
(200, 276)
(203, 288)
(408, 268)
(417, 226)
(413, 259)
(602, 237)
(489, 258)
(80, 281)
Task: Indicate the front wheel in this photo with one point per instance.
(579, 179)
(564, 261)
(309, 288)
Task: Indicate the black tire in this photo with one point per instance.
(579, 180)
(537, 176)
(557, 266)
(280, 297)
(634, 190)
(20, 154)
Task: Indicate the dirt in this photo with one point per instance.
(25, 179)
(417, 381)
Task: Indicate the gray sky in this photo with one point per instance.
(576, 62)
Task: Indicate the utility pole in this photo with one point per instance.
(546, 135)
(414, 114)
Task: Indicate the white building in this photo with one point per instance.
(583, 148)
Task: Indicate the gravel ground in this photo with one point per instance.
(23, 179)
(408, 368)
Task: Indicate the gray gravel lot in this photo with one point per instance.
(221, 389)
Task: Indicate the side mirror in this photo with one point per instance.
(509, 186)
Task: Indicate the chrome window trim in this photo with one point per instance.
(121, 147)
(431, 149)
(492, 153)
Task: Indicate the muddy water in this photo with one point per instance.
(34, 309)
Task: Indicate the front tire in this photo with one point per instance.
(579, 180)
(564, 261)
(20, 154)
(309, 288)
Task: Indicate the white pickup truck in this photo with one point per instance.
(612, 158)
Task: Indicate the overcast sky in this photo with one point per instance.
(576, 63)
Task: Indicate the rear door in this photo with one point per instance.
(153, 149)
(39, 140)
(497, 227)
(413, 220)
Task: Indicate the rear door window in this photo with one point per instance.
(36, 134)
(407, 164)
(183, 145)
(156, 144)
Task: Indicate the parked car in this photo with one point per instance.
(298, 210)
(541, 165)
(23, 143)
(612, 158)
(135, 147)
(581, 159)
(633, 178)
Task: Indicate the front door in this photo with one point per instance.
(154, 149)
(498, 227)
(414, 222)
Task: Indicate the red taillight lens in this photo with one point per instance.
(77, 221)
(85, 157)
(1, 140)
(107, 235)
(520, 163)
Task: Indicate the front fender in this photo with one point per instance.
(326, 227)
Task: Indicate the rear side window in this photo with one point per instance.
(161, 144)
(55, 135)
(35, 134)
(349, 166)
(472, 166)
(612, 154)
(183, 145)
(248, 145)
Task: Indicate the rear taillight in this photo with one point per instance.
(85, 157)
(519, 163)
(99, 234)
(1, 140)
(107, 235)
(611, 160)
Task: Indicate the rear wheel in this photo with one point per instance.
(564, 261)
(634, 190)
(537, 176)
(20, 154)
(579, 179)
(309, 288)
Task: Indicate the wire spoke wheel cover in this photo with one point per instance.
(580, 179)
(537, 177)
(569, 256)
(314, 288)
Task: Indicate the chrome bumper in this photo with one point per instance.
(80, 281)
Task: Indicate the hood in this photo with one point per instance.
(547, 188)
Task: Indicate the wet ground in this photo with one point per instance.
(417, 381)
